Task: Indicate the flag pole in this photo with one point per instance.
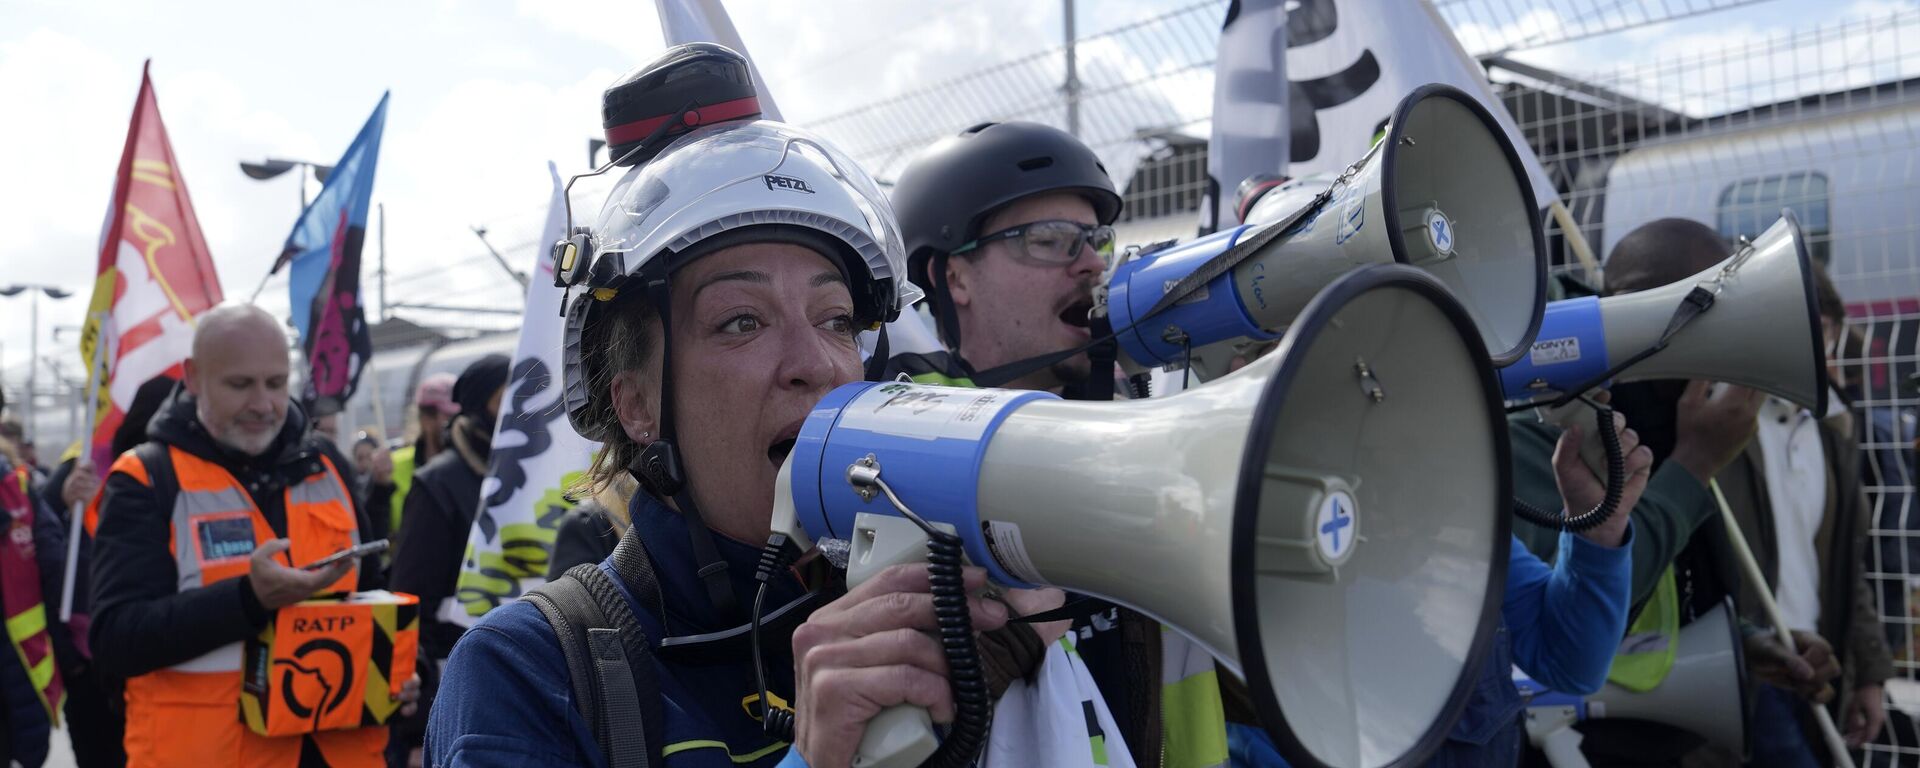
(1575, 239)
(74, 525)
(263, 283)
(1751, 569)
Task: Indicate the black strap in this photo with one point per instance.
(160, 477)
(570, 611)
(1231, 257)
(625, 727)
(636, 570)
(1077, 608)
(712, 568)
(1179, 291)
(877, 364)
(608, 658)
(1694, 304)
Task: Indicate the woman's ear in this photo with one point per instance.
(960, 274)
(635, 406)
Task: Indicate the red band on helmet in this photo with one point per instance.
(707, 115)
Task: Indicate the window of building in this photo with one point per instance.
(1749, 206)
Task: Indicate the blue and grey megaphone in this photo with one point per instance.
(1704, 691)
(1761, 330)
(1280, 516)
(1443, 191)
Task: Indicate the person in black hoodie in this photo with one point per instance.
(438, 514)
(95, 717)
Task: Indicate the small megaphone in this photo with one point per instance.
(1431, 194)
(1751, 320)
(1293, 518)
(1705, 692)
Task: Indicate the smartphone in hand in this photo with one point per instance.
(374, 547)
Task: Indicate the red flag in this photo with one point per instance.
(155, 274)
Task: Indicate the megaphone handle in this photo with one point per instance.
(1750, 568)
(1615, 481)
(901, 736)
(1562, 748)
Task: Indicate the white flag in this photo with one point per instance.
(1351, 61)
(706, 21)
(1249, 105)
(536, 454)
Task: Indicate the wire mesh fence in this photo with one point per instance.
(1821, 118)
(1823, 121)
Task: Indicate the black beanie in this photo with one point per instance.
(478, 382)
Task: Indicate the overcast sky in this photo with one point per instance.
(484, 94)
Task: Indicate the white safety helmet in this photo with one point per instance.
(716, 187)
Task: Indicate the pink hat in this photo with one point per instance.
(437, 392)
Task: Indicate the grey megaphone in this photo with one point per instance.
(1444, 190)
(1761, 328)
(1705, 692)
(1292, 518)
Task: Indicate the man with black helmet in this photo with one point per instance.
(1007, 225)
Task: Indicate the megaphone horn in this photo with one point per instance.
(1704, 691)
(1430, 194)
(1759, 327)
(1292, 517)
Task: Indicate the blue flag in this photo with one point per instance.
(323, 281)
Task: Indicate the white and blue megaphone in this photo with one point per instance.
(1287, 517)
(1760, 328)
(1444, 191)
(1705, 692)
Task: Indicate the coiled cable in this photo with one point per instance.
(1615, 485)
(972, 708)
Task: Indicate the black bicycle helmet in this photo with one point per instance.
(944, 194)
(713, 83)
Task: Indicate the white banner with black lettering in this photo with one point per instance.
(536, 454)
(1350, 62)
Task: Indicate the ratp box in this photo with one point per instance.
(330, 663)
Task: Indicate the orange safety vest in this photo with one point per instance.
(21, 595)
(189, 714)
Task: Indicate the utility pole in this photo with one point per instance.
(1072, 87)
(481, 232)
(33, 343)
(383, 266)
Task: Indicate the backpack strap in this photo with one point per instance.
(608, 661)
(160, 477)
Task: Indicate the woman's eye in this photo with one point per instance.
(842, 324)
(741, 324)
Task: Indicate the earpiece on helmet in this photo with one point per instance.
(572, 257)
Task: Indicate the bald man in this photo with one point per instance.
(201, 535)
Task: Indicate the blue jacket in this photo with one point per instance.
(505, 698)
(1560, 623)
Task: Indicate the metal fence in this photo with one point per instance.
(1822, 118)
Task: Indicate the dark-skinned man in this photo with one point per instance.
(1683, 563)
(201, 535)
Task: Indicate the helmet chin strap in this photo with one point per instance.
(659, 467)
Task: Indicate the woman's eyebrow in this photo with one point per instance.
(828, 277)
(741, 275)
